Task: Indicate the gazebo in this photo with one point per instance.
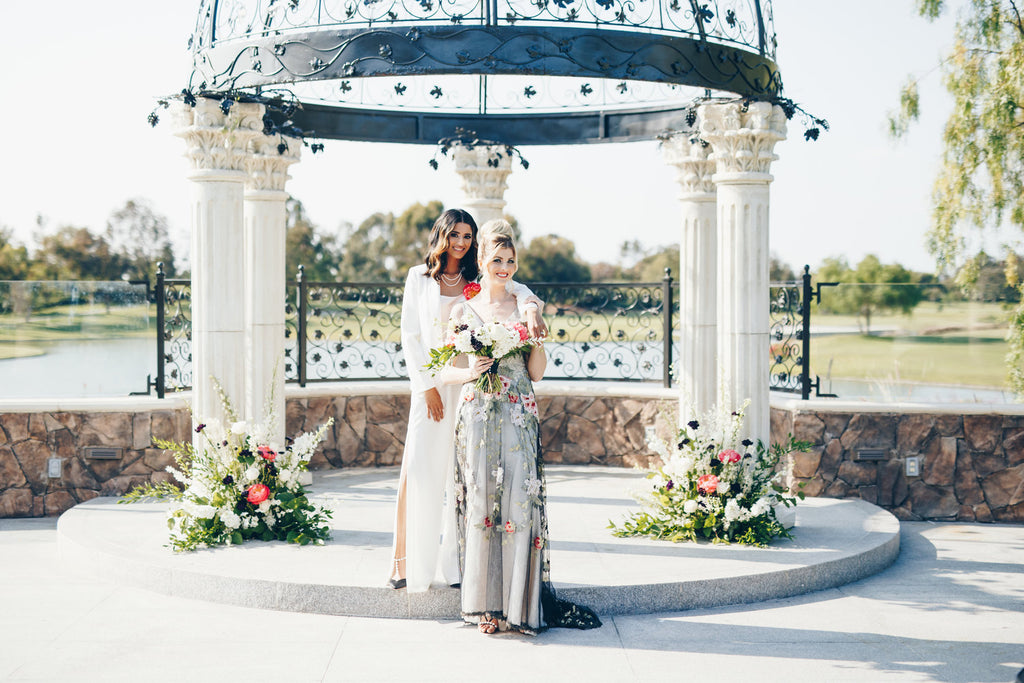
(482, 77)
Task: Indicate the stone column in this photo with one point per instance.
(265, 276)
(697, 361)
(217, 146)
(484, 170)
(742, 138)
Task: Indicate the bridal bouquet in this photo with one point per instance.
(492, 340)
(715, 486)
(236, 486)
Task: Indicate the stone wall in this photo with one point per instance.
(369, 431)
(971, 466)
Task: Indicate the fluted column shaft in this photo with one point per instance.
(742, 139)
(697, 361)
(217, 147)
(484, 170)
(265, 277)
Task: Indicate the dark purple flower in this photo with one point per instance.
(747, 443)
(693, 424)
(669, 485)
(228, 480)
(200, 427)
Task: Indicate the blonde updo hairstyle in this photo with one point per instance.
(494, 235)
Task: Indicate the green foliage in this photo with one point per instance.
(13, 257)
(980, 180)
(140, 237)
(76, 254)
(317, 253)
(550, 258)
(869, 288)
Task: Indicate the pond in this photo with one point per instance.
(105, 367)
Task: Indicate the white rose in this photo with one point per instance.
(690, 506)
(723, 487)
(251, 474)
(239, 428)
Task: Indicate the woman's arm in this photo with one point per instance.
(414, 343)
(530, 308)
(537, 363)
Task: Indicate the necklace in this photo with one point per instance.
(449, 280)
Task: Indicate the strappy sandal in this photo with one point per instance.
(488, 627)
(397, 583)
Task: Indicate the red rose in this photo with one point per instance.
(470, 290)
(509, 527)
(537, 543)
(267, 453)
(729, 455)
(707, 484)
(258, 493)
(488, 523)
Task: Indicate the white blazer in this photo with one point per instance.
(422, 328)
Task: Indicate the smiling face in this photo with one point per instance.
(460, 239)
(500, 266)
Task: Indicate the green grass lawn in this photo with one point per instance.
(975, 358)
(12, 350)
(928, 315)
(67, 323)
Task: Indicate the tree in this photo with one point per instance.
(870, 288)
(140, 236)
(14, 261)
(304, 246)
(550, 258)
(982, 174)
(780, 271)
(75, 254)
(651, 268)
(384, 246)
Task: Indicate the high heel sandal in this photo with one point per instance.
(397, 583)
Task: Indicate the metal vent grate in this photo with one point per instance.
(102, 453)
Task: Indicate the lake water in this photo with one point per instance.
(119, 367)
(78, 369)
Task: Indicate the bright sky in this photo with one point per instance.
(81, 80)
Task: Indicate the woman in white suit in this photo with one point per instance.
(424, 531)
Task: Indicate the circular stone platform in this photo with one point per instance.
(835, 542)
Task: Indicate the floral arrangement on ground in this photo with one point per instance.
(715, 486)
(238, 486)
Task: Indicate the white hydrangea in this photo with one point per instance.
(723, 487)
(760, 507)
(732, 510)
(230, 519)
(463, 341)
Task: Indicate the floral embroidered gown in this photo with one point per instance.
(502, 525)
(499, 495)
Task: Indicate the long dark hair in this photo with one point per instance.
(437, 254)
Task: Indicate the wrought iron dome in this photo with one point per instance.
(521, 72)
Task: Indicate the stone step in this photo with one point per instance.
(835, 542)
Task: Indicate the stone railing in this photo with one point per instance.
(582, 423)
(970, 459)
(954, 462)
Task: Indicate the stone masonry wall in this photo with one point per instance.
(971, 466)
(369, 431)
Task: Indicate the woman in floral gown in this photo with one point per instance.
(499, 480)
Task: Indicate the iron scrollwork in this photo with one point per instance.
(177, 335)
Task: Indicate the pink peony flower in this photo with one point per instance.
(729, 455)
(258, 493)
(470, 290)
(524, 334)
(267, 453)
(707, 484)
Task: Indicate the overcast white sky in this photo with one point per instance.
(81, 78)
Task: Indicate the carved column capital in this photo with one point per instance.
(691, 158)
(217, 142)
(742, 139)
(484, 170)
(266, 166)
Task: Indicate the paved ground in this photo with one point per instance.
(951, 608)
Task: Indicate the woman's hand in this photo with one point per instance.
(435, 407)
(479, 366)
(535, 323)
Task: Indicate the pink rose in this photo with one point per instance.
(267, 453)
(707, 484)
(509, 527)
(470, 290)
(258, 493)
(729, 455)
